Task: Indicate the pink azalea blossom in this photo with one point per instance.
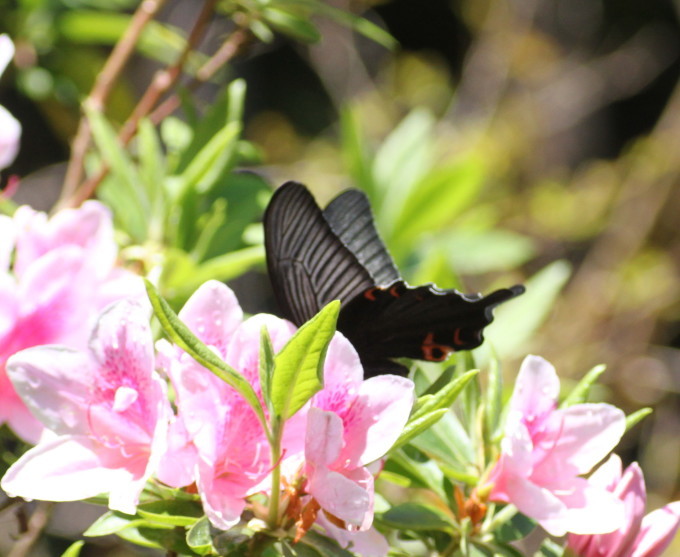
(546, 451)
(216, 439)
(10, 129)
(640, 536)
(107, 410)
(351, 424)
(64, 273)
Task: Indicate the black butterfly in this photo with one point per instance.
(317, 256)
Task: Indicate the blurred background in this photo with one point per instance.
(533, 141)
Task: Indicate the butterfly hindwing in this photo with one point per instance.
(422, 322)
(351, 218)
(308, 264)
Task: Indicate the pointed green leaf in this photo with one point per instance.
(417, 426)
(171, 513)
(112, 522)
(579, 393)
(180, 334)
(73, 549)
(446, 396)
(122, 188)
(636, 417)
(266, 365)
(493, 403)
(297, 26)
(299, 366)
(199, 536)
(416, 516)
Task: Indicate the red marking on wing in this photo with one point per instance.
(370, 293)
(433, 352)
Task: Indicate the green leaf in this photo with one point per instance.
(357, 23)
(517, 528)
(355, 153)
(121, 190)
(636, 417)
(324, 546)
(417, 426)
(579, 393)
(210, 162)
(549, 548)
(172, 539)
(404, 157)
(297, 26)
(485, 251)
(439, 198)
(493, 401)
(517, 320)
(446, 396)
(171, 513)
(152, 174)
(418, 474)
(199, 536)
(298, 371)
(73, 549)
(266, 365)
(417, 516)
(182, 276)
(112, 522)
(180, 334)
(448, 442)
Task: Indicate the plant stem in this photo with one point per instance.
(275, 445)
(501, 517)
(101, 90)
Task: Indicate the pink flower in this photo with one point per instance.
(638, 537)
(216, 439)
(351, 424)
(107, 408)
(63, 275)
(546, 451)
(10, 129)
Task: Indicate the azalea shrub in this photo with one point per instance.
(132, 379)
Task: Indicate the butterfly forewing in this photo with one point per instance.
(308, 264)
(351, 218)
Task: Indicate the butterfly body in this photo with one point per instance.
(316, 256)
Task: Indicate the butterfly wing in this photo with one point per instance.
(422, 322)
(308, 264)
(351, 218)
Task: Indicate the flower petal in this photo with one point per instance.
(54, 382)
(367, 543)
(587, 433)
(376, 418)
(323, 440)
(340, 496)
(537, 387)
(212, 313)
(591, 510)
(64, 469)
(658, 530)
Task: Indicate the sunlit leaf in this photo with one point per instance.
(299, 365)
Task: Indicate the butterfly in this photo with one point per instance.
(315, 256)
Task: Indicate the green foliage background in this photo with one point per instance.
(541, 148)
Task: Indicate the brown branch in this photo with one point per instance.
(161, 84)
(229, 49)
(36, 524)
(102, 89)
